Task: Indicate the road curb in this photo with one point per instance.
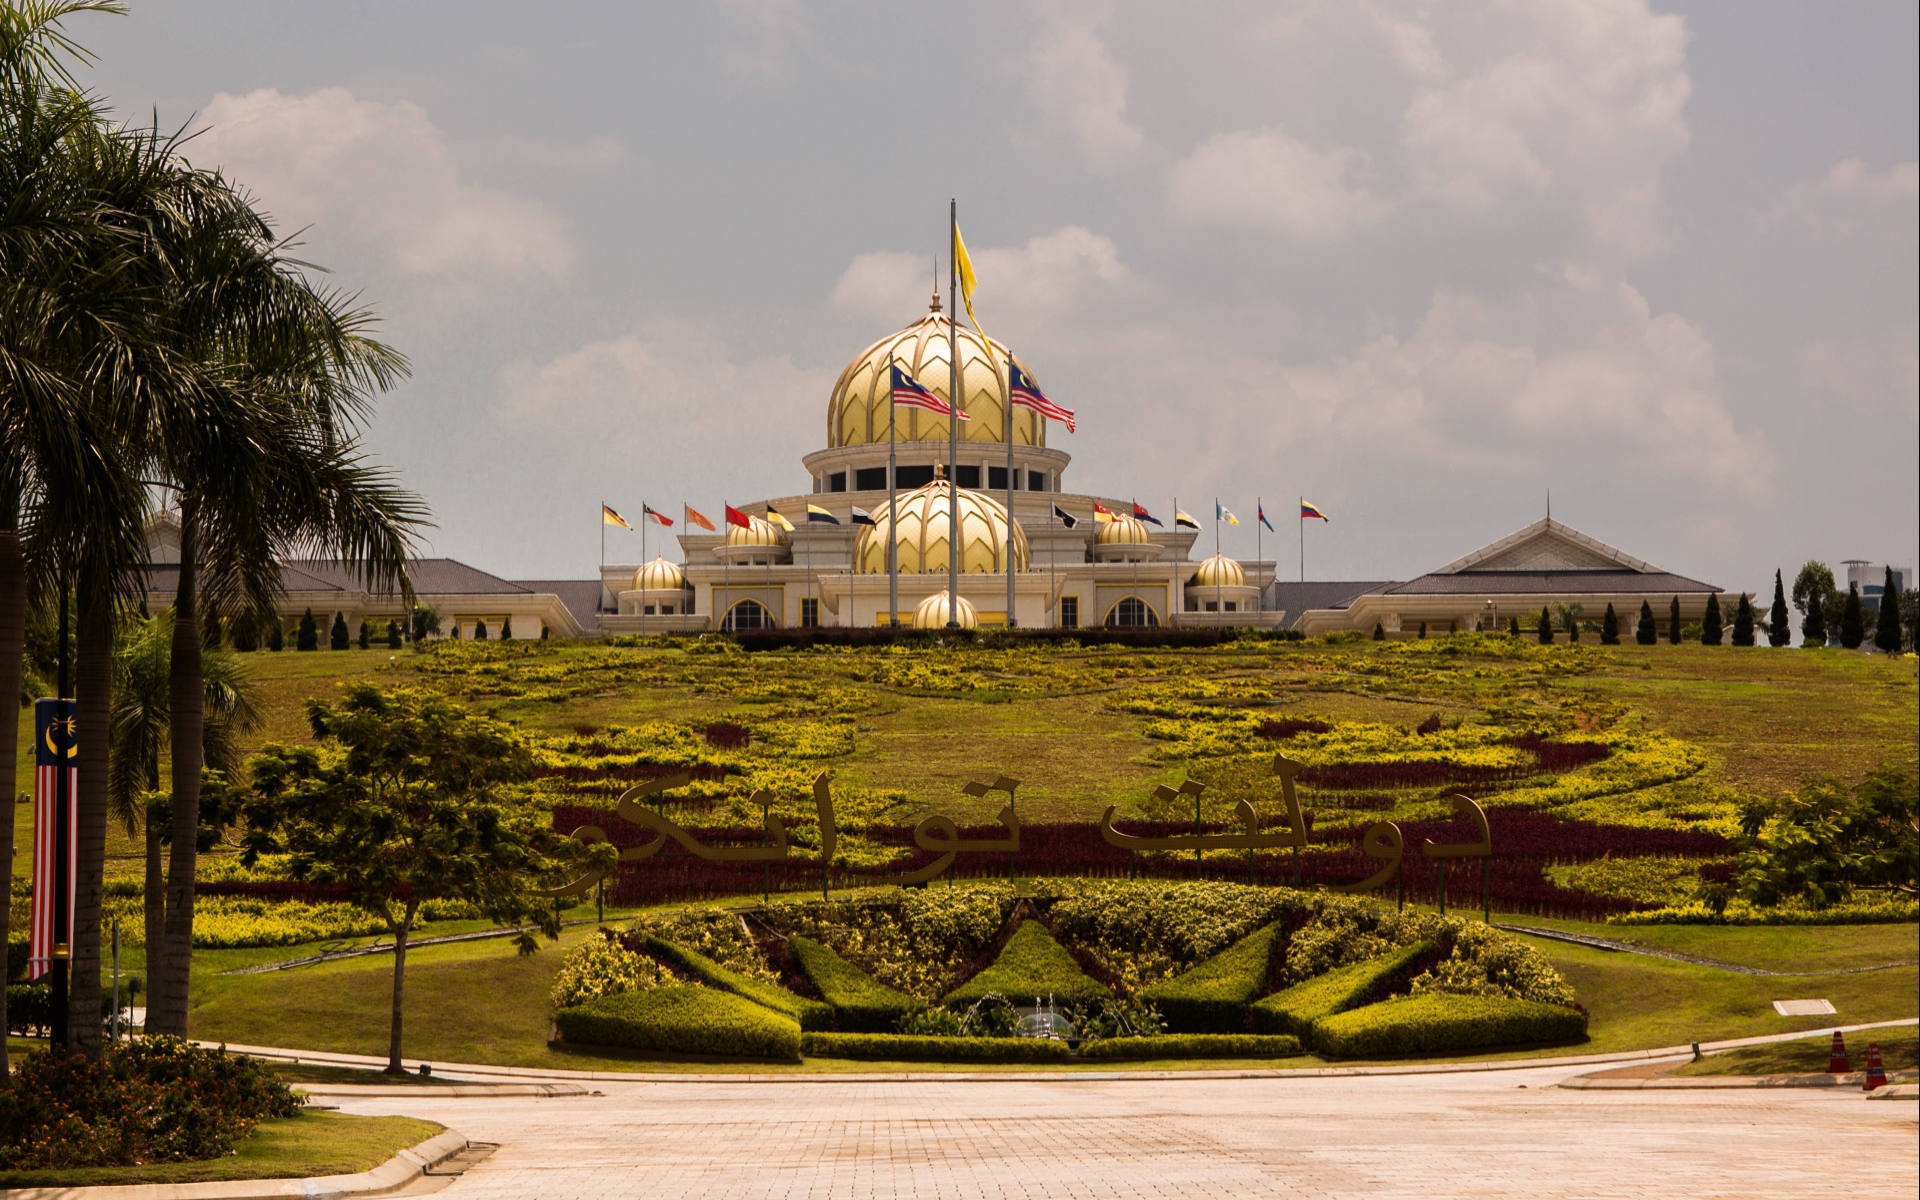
(1600, 1083)
(397, 1172)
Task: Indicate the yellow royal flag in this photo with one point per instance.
(967, 280)
(610, 517)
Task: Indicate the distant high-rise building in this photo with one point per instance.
(1871, 579)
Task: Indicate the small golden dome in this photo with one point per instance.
(1123, 531)
(931, 613)
(857, 410)
(925, 513)
(1219, 571)
(758, 532)
(659, 576)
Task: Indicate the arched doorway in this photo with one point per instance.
(1132, 612)
(747, 614)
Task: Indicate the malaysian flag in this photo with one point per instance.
(1027, 394)
(907, 391)
(52, 741)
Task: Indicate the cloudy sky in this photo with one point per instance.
(1419, 262)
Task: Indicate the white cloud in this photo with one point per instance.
(1866, 374)
(1271, 182)
(1852, 200)
(1051, 273)
(1075, 83)
(381, 182)
(774, 25)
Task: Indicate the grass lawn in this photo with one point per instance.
(1899, 1051)
(313, 1143)
(1763, 947)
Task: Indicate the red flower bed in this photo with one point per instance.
(1291, 727)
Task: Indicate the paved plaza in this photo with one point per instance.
(1506, 1133)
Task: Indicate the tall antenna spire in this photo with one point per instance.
(1549, 504)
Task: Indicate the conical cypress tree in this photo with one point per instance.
(366, 634)
(1853, 622)
(1513, 627)
(1673, 622)
(1423, 629)
(337, 637)
(1610, 628)
(309, 633)
(1813, 630)
(1779, 633)
(1546, 626)
(1379, 632)
(1646, 632)
(1710, 627)
(455, 633)
(1886, 630)
(393, 635)
(1743, 622)
(506, 629)
(479, 631)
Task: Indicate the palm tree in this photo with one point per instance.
(141, 725)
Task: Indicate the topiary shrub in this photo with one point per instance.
(809, 1014)
(1213, 997)
(601, 966)
(682, 1020)
(1298, 1009)
(1436, 1024)
(900, 1047)
(1032, 968)
(859, 1003)
(1192, 1045)
(337, 638)
(309, 635)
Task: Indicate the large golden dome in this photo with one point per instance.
(758, 532)
(931, 613)
(1219, 571)
(857, 413)
(1123, 531)
(986, 534)
(659, 576)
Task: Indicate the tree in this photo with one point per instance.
(309, 637)
(337, 638)
(1710, 627)
(1379, 632)
(1813, 630)
(1815, 581)
(1513, 627)
(1886, 626)
(1610, 628)
(1421, 634)
(506, 629)
(1909, 614)
(479, 631)
(276, 640)
(1545, 631)
(1570, 619)
(365, 638)
(1779, 633)
(426, 622)
(1645, 631)
(405, 800)
(1673, 622)
(1743, 622)
(1853, 623)
(393, 635)
(1823, 843)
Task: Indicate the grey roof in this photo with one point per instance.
(1296, 598)
(581, 596)
(431, 577)
(1533, 583)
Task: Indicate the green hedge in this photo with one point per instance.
(898, 1047)
(1434, 1023)
(1296, 1009)
(810, 1014)
(1193, 1045)
(1031, 968)
(682, 1020)
(1213, 997)
(859, 1003)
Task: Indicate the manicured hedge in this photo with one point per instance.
(682, 1020)
(1193, 1045)
(897, 1047)
(1031, 968)
(860, 1004)
(1213, 997)
(810, 1014)
(1296, 1009)
(1434, 1023)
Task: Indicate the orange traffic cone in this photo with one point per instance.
(1876, 1070)
(1837, 1061)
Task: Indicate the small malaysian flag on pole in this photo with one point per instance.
(1027, 394)
(907, 391)
(52, 742)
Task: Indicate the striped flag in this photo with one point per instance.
(610, 517)
(1312, 512)
(1101, 514)
(1140, 513)
(658, 518)
(816, 513)
(861, 516)
(1263, 517)
(1027, 394)
(907, 391)
(52, 741)
(1182, 521)
(774, 517)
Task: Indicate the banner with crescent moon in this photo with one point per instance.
(53, 748)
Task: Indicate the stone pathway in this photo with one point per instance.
(1507, 1133)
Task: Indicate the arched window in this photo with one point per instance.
(1132, 611)
(748, 614)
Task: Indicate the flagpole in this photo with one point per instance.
(893, 512)
(643, 565)
(1053, 570)
(953, 415)
(1216, 527)
(1259, 519)
(726, 570)
(1008, 379)
(1300, 512)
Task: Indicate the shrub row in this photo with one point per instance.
(1032, 968)
(860, 1005)
(808, 1014)
(682, 1020)
(1213, 997)
(899, 1047)
(1192, 1045)
(1298, 1009)
(1437, 1023)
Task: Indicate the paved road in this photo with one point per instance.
(1487, 1134)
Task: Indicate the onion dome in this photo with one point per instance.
(1219, 571)
(659, 576)
(857, 410)
(931, 613)
(1123, 531)
(758, 532)
(987, 538)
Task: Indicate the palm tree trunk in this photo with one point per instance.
(155, 894)
(93, 707)
(187, 708)
(13, 646)
(400, 930)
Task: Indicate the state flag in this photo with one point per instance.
(1067, 519)
(696, 517)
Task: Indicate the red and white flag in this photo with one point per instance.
(53, 742)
